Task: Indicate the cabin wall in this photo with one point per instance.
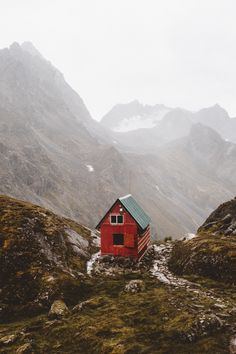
(129, 229)
(143, 241)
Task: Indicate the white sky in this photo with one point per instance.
(176, 52)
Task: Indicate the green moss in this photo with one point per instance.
(206, 255)
(36, 257)
(154, 321)
(157, 320)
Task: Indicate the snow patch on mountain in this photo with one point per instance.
(90, 168)
(140, 122)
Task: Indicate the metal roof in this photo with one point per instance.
(135, 210)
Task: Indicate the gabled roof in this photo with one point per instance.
(134, 209)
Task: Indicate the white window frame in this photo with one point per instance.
(116, 223)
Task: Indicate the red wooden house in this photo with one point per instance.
(125, 229)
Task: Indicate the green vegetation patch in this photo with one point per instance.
(206, 255)
(160, 319)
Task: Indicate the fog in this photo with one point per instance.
(179, 53)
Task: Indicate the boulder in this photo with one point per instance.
(8, 339)
(58, 310)
(135, 286)
(25, 349)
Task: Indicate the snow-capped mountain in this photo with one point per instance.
(133, 116)
(157, 125)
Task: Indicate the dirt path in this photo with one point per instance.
(160, 267)
(161, 271)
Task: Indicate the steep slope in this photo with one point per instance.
(222, 221)
(40, 255)
(187, 179)
(213, 252)
(52, 152)
(218, 119)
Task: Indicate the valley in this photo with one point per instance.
(53, 153)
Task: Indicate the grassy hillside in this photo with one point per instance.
(161, 319)
(213, 252)
(43, 259)
(39, 253)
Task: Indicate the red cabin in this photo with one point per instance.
(125, 229)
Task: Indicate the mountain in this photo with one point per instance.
(187, 179)
(175, 124)
(218, 119)
(212, 253)
(133, 116)
(129, 124)
(52, 152)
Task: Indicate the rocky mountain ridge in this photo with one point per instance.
(157, 128)
(133, 116)
(52, 151)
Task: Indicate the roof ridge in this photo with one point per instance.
(126, 196)
(135, 210)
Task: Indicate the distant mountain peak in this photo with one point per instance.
(216, 109)
(133, 115)
(14, 47)
(26, 47)
(30, 48)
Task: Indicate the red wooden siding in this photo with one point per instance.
(144, 241)
(129, 227)
(135, 240)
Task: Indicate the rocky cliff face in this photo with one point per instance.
(213, 252)
(41, 255)
(222, 221)
(52, 152)
(188, 178)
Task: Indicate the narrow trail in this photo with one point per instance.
(218, 310)
(161, 271)
(160, 267)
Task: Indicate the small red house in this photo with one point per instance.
(125, 229)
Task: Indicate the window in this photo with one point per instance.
(117, 219)
(118, 239)
(120, 219)
(113, 219)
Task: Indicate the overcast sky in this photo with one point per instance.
(175, 52)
